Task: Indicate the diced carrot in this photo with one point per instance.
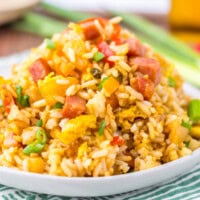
(35, 164)
(110, 85)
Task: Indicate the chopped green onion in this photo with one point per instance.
(194, 110)
(100, 86)
(186, 124)
(1, 103)
(120, 77)
(41, 136)
(39, 123)
(25, 101)
(98, 56)
(95, 72)
(58, 105)
(171, 82)
(187, 143)
(50, 44)
(33, 148)
(19, 93)
(38, 145)
(101, 128)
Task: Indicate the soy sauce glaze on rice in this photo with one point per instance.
(94, 101)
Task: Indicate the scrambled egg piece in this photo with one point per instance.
(126, 117)
(50, 88)
(76, 127)
(83, 148)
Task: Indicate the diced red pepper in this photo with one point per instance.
(104, 48)
(149, 66)
(197, 47)
(39, 69)
(117, 140)
(135, 47)
(143, 85)
(7, 99)
(73, 106)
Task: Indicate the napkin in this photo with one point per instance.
(184, 187)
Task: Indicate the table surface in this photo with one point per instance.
(13, 41)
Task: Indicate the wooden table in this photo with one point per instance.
(12, 41)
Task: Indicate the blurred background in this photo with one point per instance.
(171, 27)
(168, 14)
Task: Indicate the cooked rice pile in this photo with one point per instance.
(101, 101)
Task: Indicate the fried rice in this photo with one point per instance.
(93, 101)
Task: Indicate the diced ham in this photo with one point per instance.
(148, 66)
(135, 48)
(104, 48)
(91, 31)
(39, 69)
(143, 85)
(73, 106)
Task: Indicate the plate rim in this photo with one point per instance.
(86, 185)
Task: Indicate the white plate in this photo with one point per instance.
(102, 185)
(12, 9)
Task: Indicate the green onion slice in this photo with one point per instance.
(39, 123)
(38, 145)
(98, 56)
(19, 93)
(58, 105)
(33, 148)
(186, 124)
(41, 136)
(25, 101)
(194, 110)
(50, 44)
(171, 82)
(187, 143)
(101, 128)
(100, 86)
